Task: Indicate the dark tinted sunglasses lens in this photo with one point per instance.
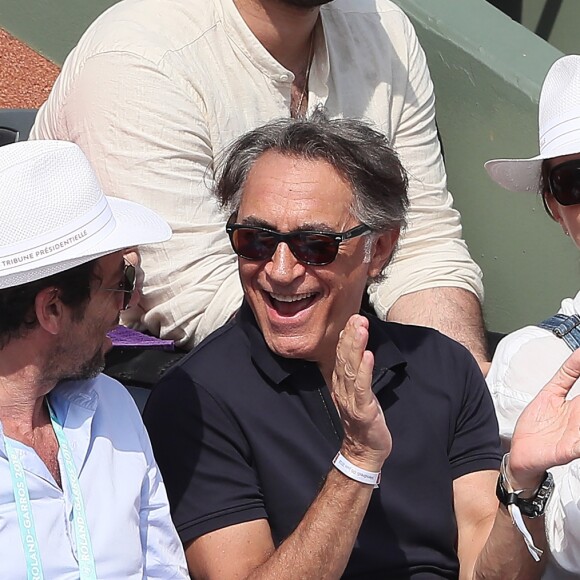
(128, 284)
(315, 249)
(253, 244)
(565, 183)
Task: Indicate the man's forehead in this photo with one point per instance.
(293, 174)
(288, 191)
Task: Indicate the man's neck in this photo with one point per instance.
(22, 393)
(24, 384)
(284, 30)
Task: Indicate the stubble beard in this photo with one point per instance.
(88, 369)
(74, 370)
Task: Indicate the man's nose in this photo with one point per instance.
(283, 266)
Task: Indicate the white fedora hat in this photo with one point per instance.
(54, 215)
(559, 128)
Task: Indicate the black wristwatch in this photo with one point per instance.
(531, 507)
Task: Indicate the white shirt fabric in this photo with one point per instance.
(156, 90)
(125, 500)
(523, 363)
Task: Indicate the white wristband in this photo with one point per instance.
(357, 473)
(516, 514)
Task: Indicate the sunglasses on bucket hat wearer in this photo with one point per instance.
(558, 128)
(308, 247)
(126, 285)
(563, 182)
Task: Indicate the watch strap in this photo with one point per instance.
(532, 507)
(518, 506)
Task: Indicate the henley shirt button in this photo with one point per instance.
(284, 78)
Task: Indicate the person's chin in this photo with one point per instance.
(89, 369)
(297, 346)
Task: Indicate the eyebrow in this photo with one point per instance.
(305, 227)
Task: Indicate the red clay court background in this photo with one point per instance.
(25, 77)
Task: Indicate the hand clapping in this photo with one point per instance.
(367, 440)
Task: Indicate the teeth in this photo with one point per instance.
(291, 298)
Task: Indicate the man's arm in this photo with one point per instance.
(162, 550)
(147, 139)
(321, 545)
(490, 546)
(453, 311)
(163, 555)
(547, 434)
(432, 280)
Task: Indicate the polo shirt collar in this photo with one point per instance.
(388, 358)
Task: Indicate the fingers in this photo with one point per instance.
(363, 385)
(567, 375)
(352, 367)
(367, 440)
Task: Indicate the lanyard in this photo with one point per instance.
(85, 556)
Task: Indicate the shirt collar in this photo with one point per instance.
(245, 40)
(388, 358)
(81, 393)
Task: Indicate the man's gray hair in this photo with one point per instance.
(359, 153)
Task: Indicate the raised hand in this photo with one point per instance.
(367, 440)
(548, 431)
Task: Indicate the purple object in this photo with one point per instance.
(129, 338)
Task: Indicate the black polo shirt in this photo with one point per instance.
(240, 434)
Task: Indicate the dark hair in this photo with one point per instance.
(17, 314)
(359, 153)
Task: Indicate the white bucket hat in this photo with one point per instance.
(54, 215)
(559, 128)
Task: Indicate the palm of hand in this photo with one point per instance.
(366, 435)
(547, 433)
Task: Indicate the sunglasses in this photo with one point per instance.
(311, 248)
(126, 285)
(564, 182)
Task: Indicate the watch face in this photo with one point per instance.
(543, 495)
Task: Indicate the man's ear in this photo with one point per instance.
(49, 310)
(382, 251)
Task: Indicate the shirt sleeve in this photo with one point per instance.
(431, 252)
(563, 517)
(475, 445)
(146, 137)
(163, 552)
(523, 363)
(204, 456)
